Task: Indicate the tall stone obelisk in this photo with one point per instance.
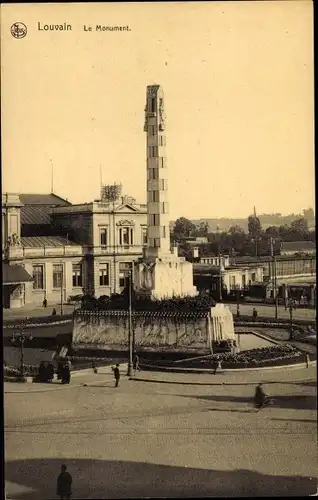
(161, 273)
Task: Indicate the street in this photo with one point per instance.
(163, 439)
(269, 311)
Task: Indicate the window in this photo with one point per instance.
(103, 237)
(154, 219)
(153, 196)
(164, 207)
(77, 275)
(126, 236)
(38, 277)
(253, 277)
(151, 242)
(162, 162)
(243, 280)
(57, 275)
(157, 242)
(104, 274)
(152, 151)
(153, 174)
(163, 184)
(153, 129)
(124, 270)
(163, 231)
(162, 141)
(153, 105)
(144, 238)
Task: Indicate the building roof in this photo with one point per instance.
(37, 207)
(36, 214)
(43, 199)
(45, 241)
(298, 246)
(12, 275)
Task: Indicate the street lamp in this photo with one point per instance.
(21, 337)
(291, 307)
(62, 278)
(274, 280)
(130, 336)
(237, 302)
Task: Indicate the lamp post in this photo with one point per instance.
(274, 280)
(291, 306)
(21, 337)
(62, 278)
(237, 302)
(130, 335)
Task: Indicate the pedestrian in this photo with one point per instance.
(44, 303)
(307, 360)
(254, 314)
(259, 397)
(64, 484)
(217, 366)
(54, 312)
(136, 363)
(94, 367)
(116, 375)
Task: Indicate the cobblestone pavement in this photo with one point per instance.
(156, 440)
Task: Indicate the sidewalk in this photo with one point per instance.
(279, 375)
(81, 378)
(78, 379)
(36, 311)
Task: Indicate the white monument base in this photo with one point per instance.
(165, 277)
(222, 324)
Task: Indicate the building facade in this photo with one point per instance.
(112, 235)
(74, 249)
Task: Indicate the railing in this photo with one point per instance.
(118, 249)
(16, 253)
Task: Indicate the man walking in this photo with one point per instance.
(136, 363)
(116, 375)
(64, 484)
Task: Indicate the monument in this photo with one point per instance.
(160, 273)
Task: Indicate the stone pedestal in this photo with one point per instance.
(222, 325)
(165, 277)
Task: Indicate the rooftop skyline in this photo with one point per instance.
(238, 86)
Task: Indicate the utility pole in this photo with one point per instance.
(130, 336)
(237, 302)
(274, 280)
(291, 318)
(21, 337)
(220, 267)
(62, 279)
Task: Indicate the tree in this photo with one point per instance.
(183, 228)
(272, 232)
(236, 230)
(308, 214)
(254, 226)
(300, 225)
(203, 229)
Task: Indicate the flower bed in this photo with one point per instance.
(40, 320)
(266, 356)
(266, 321)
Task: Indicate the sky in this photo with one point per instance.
(238, 84)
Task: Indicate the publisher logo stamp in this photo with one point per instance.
(18, 30)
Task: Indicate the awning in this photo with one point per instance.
(14, 275)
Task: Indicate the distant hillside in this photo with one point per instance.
(266, 220)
